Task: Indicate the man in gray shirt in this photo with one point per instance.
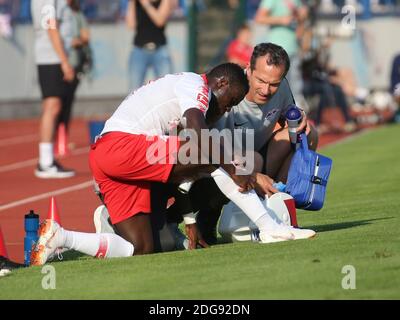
(54, 73)
(263, 110)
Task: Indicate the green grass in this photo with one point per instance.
(358, 226)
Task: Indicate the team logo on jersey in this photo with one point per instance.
(239, 124)
(202, 98)
(271, 114)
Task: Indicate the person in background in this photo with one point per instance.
(395, 85)
(240, 49)
(76, 38)
(6, 30)
(286, 19)
(332, 85)
(148, 19)
(55, 72)
(395, 79)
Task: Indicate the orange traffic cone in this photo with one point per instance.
(3, 249)
(53, 211)
(61, 146)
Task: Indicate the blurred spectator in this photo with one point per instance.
(24, 11)
(317, 82)
(89, 9)
(76, 38)
(285, 19)
(54, 72)
(395, 79)
(5, 19)
(343, 77)
(148, 18)
(240, 49)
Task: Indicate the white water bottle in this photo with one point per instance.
(293, 118)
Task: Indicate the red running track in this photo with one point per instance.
(21, 191)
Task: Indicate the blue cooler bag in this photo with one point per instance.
(308, 177)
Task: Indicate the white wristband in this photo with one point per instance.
(189, 218)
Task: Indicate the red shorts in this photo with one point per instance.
(124, 164)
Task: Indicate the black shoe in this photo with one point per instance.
(54, 171)
(6, 266)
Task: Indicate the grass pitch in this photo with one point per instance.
(359, 226)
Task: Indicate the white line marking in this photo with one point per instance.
(18, 140)
(38, 197)
(19, 165)
(30, 162)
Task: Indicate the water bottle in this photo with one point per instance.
(293, 118)
(31, 223)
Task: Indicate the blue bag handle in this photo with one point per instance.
(304, 143)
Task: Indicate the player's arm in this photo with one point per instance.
(56, 41)
(130, 17)
(159, 15)
(84, 37)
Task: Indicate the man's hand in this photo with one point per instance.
(68, 71)
(245, 182)
(264, 185)
(303, 124)
(194, 237)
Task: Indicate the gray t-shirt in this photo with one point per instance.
(248, 115)
(42, 11)
(79, 22)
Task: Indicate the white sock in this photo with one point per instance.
(46, 156)
(248, 202)
(99, 245)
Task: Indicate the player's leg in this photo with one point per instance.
(163, 237)
(248, 202)
(124, 169)
(101, 245)
(208, 198)
(206, 195)
(137, 230)
(164, 234)
(125, 203)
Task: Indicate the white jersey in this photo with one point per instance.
(155, 108)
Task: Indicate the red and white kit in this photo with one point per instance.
(142, 121)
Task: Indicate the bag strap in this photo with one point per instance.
(304, 143)
(314, 179)
(319, 180)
